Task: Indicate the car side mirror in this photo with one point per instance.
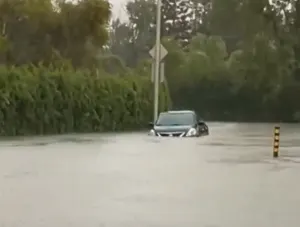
(201, 122)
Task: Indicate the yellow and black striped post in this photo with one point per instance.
(276, 142)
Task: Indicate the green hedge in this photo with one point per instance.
(38, 100)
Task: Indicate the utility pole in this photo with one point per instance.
(157, 60)
(158, 53)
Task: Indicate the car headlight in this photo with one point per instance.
(191, 132)
(152, 132)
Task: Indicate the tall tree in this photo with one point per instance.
(176, 19)
(121, 42)
(37, 30)
(200, 21)
(142, 23)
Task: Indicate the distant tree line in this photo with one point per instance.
(56, 75)
(65, 66)
(228, 59)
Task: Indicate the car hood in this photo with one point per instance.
(171, 128)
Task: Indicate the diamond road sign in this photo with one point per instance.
(163, 52)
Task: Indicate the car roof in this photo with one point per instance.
(179, 111)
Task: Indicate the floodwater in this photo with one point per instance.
(227, 179)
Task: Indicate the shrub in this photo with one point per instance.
(39, 100)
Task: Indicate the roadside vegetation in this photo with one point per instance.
(63, 68)
(231, 60)
(39, 100)
(56, 77)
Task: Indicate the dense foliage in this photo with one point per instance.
(64, 69)
(229, 59)
(56, 77)
(38, 100)
(45, 30)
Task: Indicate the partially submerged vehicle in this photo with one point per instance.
(180, 123)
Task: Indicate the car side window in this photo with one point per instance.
(196, 118)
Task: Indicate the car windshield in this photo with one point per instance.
(176, 119)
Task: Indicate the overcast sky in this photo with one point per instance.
(118, 8)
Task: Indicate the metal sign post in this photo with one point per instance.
(158, 54)
(161, 72)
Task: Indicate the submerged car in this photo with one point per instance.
(184, 123)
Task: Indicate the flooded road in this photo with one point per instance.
(227, 179)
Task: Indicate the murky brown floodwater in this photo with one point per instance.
(228, 179)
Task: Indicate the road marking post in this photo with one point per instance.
(276, 141)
